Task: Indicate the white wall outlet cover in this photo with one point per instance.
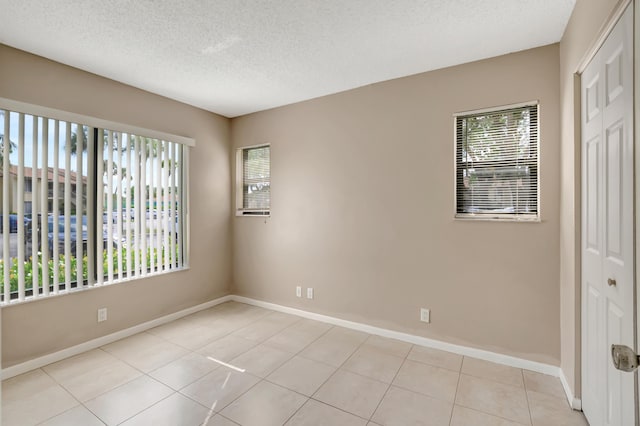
(299, 291)
(102, 314)
(309, 293)
(425, 315)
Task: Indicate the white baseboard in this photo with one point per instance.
(410, 338)
(104, 340)
(574, 402)
(511, 361)
(405, 337)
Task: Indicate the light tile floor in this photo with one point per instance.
(296, 372)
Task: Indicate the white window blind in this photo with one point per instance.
(497, 163)
(85, 206)
(254, 165)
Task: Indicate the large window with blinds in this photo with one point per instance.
(497, 163)
(86, 205)
(253, 183)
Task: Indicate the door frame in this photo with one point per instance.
(636, 169)
(604, 32)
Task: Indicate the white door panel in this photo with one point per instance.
(607, 227)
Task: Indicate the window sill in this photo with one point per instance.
(496, 218)
(63, 293)
(241, 213)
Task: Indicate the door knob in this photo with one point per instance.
(611, 282)
(624, 358)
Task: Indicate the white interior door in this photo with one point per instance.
(607, 227)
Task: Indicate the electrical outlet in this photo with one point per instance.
(310, 293)
(425, 315)
(299, 291)
(102, 314)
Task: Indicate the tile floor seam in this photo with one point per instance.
(390, 384)
(63, 388)
(146, 408)
(489, 414)
(257, 383)
(131, 365)
(260, 318)
(308, 344)
(226, 418)
(340, 367)
(197, 402)
(333, 406)
(455, 395)
(182, 346)
(216, 410)
(526, 394)
(296, 411)
(433, 364)
(65, 411)
(94, 414)
(284, 387)
(490, 380)
(492, 415)
(288, 388)
(142, 373)
(354, 351)
(424, 394)
(338, 408)
(334, 373)
(84, 404)
(239, 396)
(139, 377)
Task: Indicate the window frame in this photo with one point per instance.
(240, 210)
(97, 123)
(496, 217)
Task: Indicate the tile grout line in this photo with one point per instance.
(305, 346)
(84, 403)
(390, 383)
(486, 413)
(133, 366)
(63, 388)
(149, 407)
(455, 395)
(261, 379)
(330, 376)
(526, 396)
(143, 373)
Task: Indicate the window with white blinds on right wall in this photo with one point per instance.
(253, 181)
(497, 163)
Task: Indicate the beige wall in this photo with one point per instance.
(362, 211)
(37, 328)
(580, 35)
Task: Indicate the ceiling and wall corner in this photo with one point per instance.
(236, 57)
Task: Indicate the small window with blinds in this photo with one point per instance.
(253, 187)
(85, 206)
(497, 164)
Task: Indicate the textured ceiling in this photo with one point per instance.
(235, 57)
